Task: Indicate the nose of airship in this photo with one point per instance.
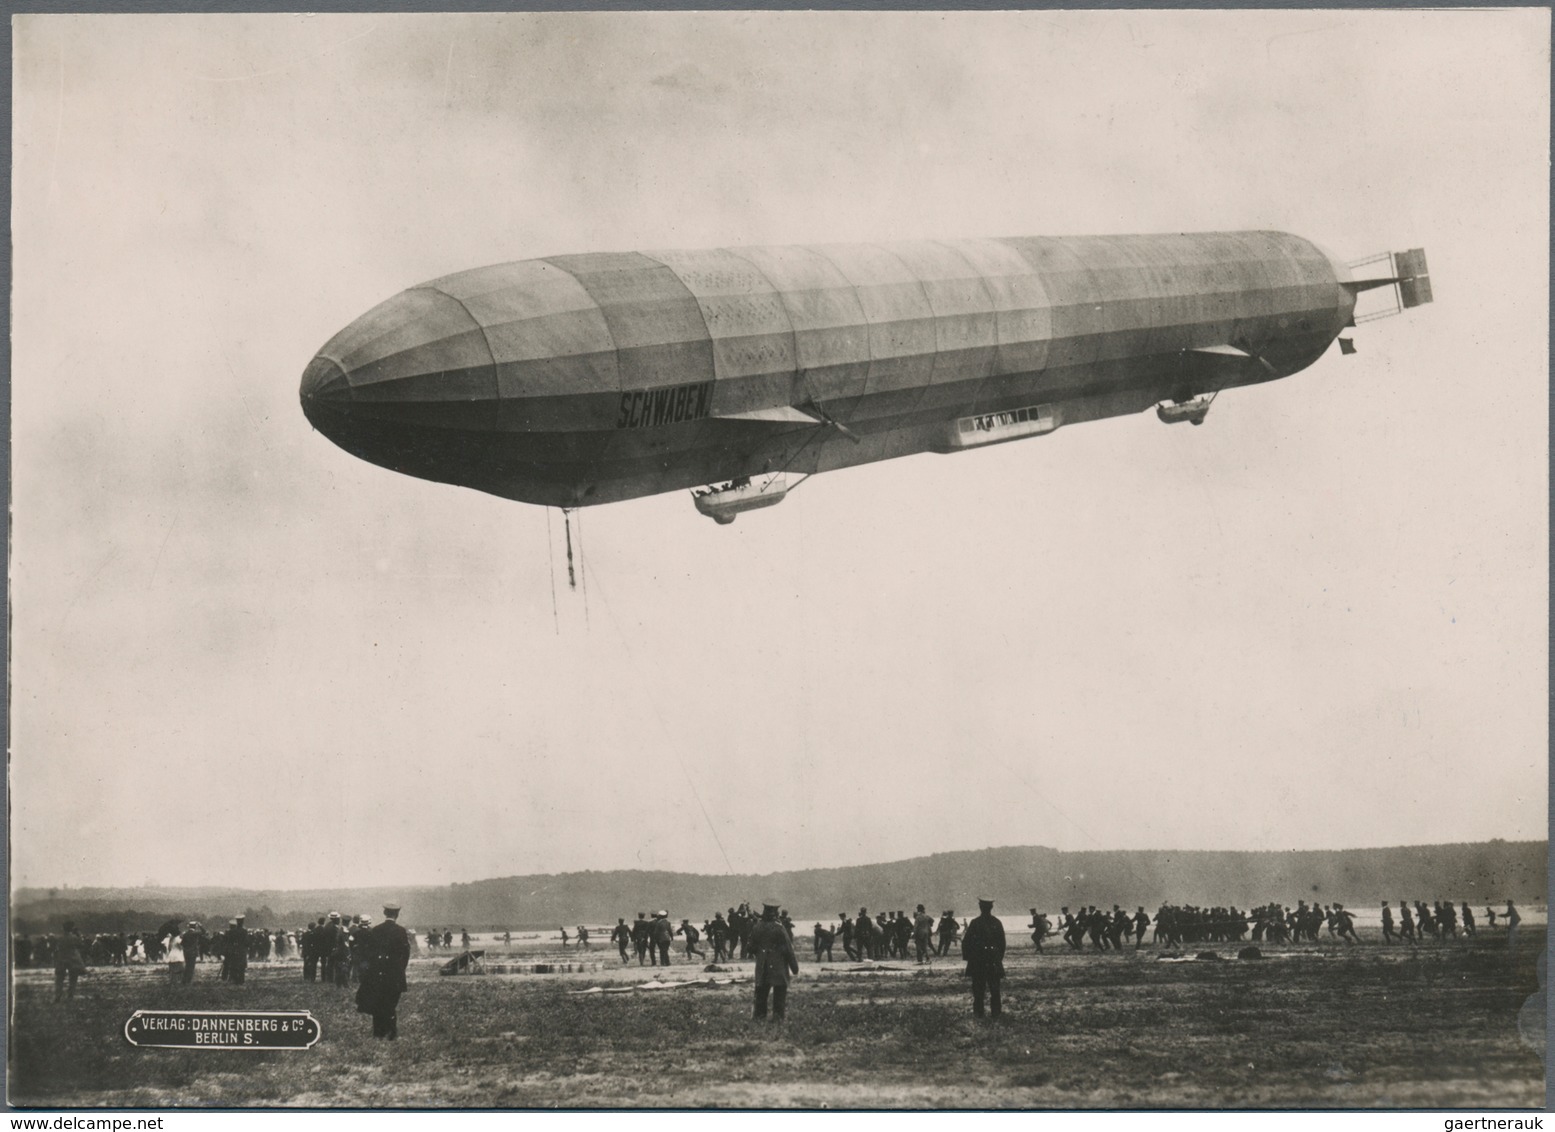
(326, 395)
(405, 385)
(422, 347)
(324, 380)
(323, 384)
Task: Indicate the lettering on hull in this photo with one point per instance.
(673, 404)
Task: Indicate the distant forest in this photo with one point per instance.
(1017, 878)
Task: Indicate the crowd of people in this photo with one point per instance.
(443, 939)
(1175, 926)
(923, 937)
(116, 949)
(344, 952)
(332, 948)
(888, 935)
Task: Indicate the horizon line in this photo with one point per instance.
(417, 885)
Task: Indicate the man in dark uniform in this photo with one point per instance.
(1096, 926)
(622, 935)
(775, 961)
(845, 929)
(922, 934)
(310, 950)
(740, 920)
(663, 936)
(1040, 928)
(1118, 927)
(385, 955)
(1447, 916)
(342, 967)
(1071, 928)
(1387, 922)
(324, 944)
(640, 932)
(823, 939)
(692, 935)
(947, 931)
(864, 935)
(358, 938)
(236, 960)
(983, 949)
(69, 965)
(191, 940)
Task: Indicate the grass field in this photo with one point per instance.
(1361, 1026)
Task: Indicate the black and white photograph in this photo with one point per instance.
(861, 560)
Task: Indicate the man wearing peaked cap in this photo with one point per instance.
(983, 949)
(775, 960)
(385, 955)
(663, 936)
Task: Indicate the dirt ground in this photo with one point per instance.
(1362, 1026)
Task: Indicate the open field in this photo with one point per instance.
(1326, 1025)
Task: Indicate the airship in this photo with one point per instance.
(576, 380)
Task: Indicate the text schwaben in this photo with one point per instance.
(648, 408)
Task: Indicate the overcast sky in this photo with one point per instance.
(242, 656)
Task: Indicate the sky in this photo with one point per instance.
(241, 656)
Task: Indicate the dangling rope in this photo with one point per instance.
(583, 568)
(653, 703)
(572, 579)
(550, 560)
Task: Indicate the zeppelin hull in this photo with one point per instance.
(588, 379)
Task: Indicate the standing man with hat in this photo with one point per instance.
(359, 948)
(310, 950)
(642, 932)
(190, 943)
(923, 934)
(385, 955)
(324, 944)
(864, 935)
(983, 949)
(68, 964)
(235, 955)
(342, 966)
(775, 960)
(663, 936)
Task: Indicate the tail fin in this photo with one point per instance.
(1414, 277)
(1408, 284)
